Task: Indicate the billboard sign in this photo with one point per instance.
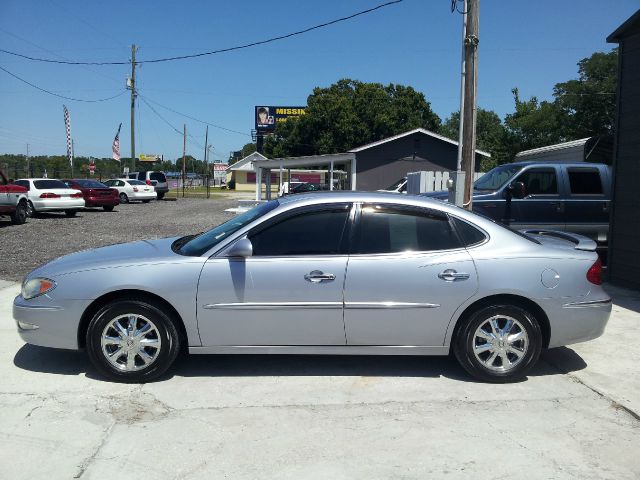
(267, 117)
(149, 157)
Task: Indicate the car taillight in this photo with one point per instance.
(49, 195)
(594, 274)
(135, 189)
(148, 182)
(76, 195)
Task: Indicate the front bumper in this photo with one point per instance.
(49, 323)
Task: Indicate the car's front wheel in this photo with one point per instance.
(132, 341)
(498, 343)
(70, 213)
(108, 208)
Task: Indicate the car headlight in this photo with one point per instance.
(36, 287)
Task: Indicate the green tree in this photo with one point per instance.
(350, 113)
(589, 102)
(490, 132)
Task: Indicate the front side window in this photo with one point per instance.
(540, 181)
(384, 229)
(496, 178)
(318, 232)
(585, 181)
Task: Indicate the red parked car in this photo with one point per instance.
(95, 194)
(13, 200)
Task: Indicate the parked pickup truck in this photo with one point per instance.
(573, 197)
(13, 200)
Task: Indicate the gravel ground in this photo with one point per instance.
(48, 236)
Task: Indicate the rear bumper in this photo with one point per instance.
(164, 189)
(57, 204)
(142, 195)
(101, 201)
(576, 321)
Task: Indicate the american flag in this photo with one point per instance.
(67, 126)
(115, 148)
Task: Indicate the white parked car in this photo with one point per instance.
(49, 195)
(132, 190)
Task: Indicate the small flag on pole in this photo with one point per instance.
(67, 126)
(115, 148)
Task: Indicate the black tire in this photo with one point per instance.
(146, 201)
(124, 198)
(20, 215)
(30, 210)
(166, 332)
(70, 213)
(160, 195)
(108, 208)
(464, 342)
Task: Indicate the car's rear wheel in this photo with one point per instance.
(108, 208)
(20, 215)
(160, 196)
(132, 341)
(70, 213)
(498, 343)
(124, 198)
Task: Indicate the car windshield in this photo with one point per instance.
(135, 182)
(397, 184)
(90, 184)
(203, 242)
(48, 184)
(497, 177)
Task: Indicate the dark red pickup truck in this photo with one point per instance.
(13, 200)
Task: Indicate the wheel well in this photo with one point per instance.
(506, 299)
(131, 294)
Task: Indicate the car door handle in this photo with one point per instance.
(316, 276)
(452, 276)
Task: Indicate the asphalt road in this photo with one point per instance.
(50, 235)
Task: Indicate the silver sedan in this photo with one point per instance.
(329, 273)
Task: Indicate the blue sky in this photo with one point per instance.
(523, 43)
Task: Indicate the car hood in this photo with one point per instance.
(120, 255)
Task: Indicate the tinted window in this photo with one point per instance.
(90, 184)
(494, 179)
(159, 176)
(207, 240)
(136, 182)
(469, 234)
(48, 184)
(540, 181)
(584, 181)
(309, 233)
(23, 183)
(141, 176)
(391, 230)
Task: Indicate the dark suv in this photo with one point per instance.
(155, 178)
(574, 197)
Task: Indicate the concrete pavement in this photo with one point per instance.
(287, 417)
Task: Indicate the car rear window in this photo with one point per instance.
(90, 184)
(469, 234)
(159, 176)
(48, 184)
(136, 182)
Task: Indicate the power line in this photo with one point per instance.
(57, 95)
(213, 52)
(194, 118)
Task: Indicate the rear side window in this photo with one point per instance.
(469, 234)
(317, 232)
(159, 176)
(585, 181)
(540, 181)
(384, 229)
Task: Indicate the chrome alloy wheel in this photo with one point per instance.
(500, 343)
(130, 342)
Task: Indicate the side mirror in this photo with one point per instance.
(241, 249)
(517, 190)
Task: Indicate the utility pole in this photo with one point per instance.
(184, 157)
(132, 87)
(206, 140)
(470, 87)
